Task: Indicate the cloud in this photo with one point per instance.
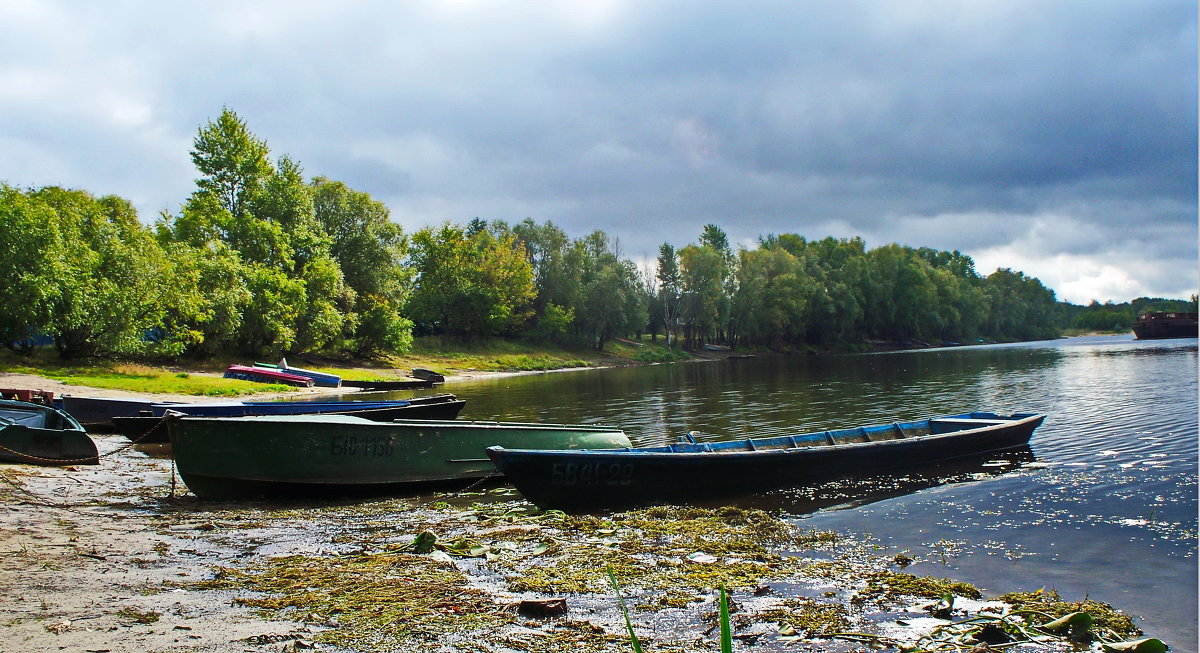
(1061, 137)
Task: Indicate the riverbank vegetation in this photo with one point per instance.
(262, 261)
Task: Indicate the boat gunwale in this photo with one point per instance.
(354, 420)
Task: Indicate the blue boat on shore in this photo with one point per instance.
(590, 479)
(320, 379)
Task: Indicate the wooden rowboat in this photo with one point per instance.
(148, 429)
(225, 458)
(43, 435)
(689, 469)
(428, 375)
(408, 384)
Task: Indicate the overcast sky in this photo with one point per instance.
(1054, 138)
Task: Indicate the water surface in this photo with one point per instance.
(1102, 504)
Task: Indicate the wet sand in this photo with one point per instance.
(84, 555)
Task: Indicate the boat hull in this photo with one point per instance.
(1160, 326)
(227, 458)
(387, 385)
(266, 375)
(41, 435)
(97, 413)
(622, 478)
(254, 408)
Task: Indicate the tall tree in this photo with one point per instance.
(714, 237)
(112, 283)
(370, 250)
(613, 304)
(702, 275)
(32, 263)
(233, 162)
(670, 290)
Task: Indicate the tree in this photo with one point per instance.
(714, 237)
(1021, 307)
(701, 274)
(234, 163)
(105, 282)
(556, 273)
(32, 262)
(670, 288)
(613, 304)
(468, 286)
(261, 219)
(772, 299)
(369, 249)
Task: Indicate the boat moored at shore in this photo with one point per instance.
(225, 458)
(37, 434)
(573, 480)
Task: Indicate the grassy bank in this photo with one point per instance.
(203, 377)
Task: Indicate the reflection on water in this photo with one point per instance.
(856, 492)
(1108, 510)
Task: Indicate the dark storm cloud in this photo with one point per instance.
(1058, 138)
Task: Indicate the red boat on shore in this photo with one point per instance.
(266, 375)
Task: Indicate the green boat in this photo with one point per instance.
(37, 434)
(289, 455)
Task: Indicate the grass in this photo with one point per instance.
(133, 377)
(440, 355)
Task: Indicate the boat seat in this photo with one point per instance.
(31, 419)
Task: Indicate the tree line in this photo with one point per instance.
(260, 260)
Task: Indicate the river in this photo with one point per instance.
(1103, 504)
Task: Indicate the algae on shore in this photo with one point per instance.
(465, 593)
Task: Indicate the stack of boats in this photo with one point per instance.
(283, 373)
(287, 374)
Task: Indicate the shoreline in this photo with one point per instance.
(37, 382)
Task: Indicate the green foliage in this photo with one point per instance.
(1021, 307)
(659, 355)
(702, 276)
(612, 302)
(369, 249)
(32, 262)
(233, 163)
(633, 638)
(262, 261)
(553, 323)
(85, 271)
(670, 288)
(469, 285)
